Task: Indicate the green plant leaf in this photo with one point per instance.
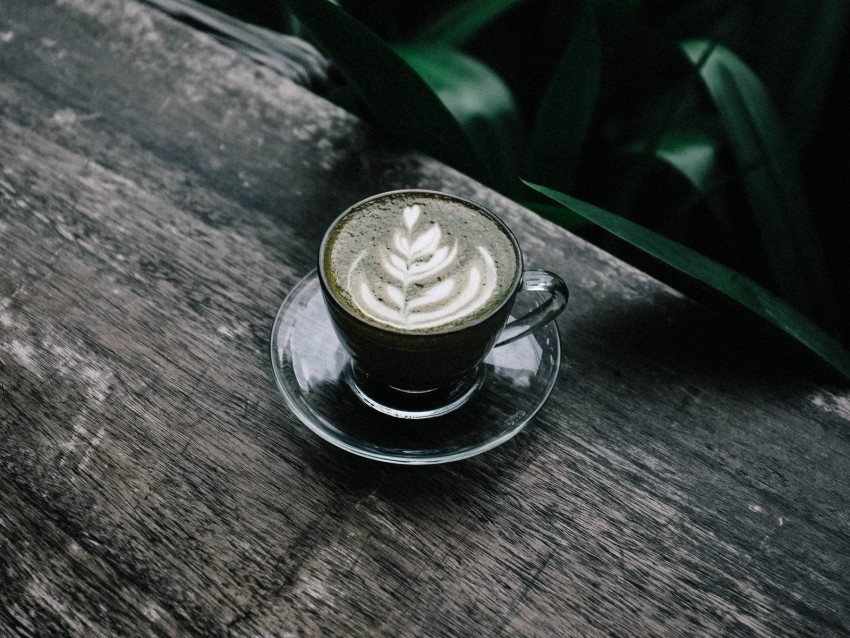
(395, 95)
(567, 106)
(479, 100)
(564, 218)
(463, 21)
(768, 167)
(699, 272)
(693, 154)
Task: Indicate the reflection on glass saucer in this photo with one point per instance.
(310, 368)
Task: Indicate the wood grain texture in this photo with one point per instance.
(159, 195)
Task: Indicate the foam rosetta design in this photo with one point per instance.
(421, 281)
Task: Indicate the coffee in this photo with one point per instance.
(420, 262)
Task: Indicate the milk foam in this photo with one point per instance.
(422, 278)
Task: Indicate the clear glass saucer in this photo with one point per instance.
(310, 368)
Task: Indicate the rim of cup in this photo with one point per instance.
(512, 290)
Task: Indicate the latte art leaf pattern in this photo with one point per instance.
(423, 281)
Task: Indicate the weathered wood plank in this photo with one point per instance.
(159, 195)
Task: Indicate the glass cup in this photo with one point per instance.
(411, 374)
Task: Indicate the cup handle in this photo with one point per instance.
(539, 281)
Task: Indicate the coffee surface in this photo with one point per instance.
(419, 263)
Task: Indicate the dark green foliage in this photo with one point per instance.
(715, 124)
(706, 279)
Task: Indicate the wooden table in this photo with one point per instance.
(159, 196)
